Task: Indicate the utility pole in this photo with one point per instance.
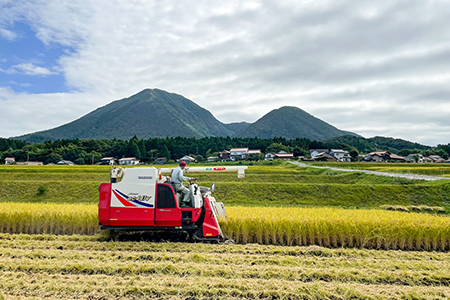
(92, 158)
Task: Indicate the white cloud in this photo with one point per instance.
(29, 69)
(363, 67)
(8, 34)
(24, 113)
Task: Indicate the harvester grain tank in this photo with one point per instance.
(146, 200)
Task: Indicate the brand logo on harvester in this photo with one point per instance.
(133, 201)
(139, 198)
(145, 177)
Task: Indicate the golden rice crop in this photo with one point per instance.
(48, 218)
(329, 227)
(334, 227)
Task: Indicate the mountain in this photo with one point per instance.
(236, 127)
(291, 122)
(364, 145)
(150, 113)
(154, 113)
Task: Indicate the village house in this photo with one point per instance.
(128, 161)
(224, 155)
(281, 155)
(383, 156)
(314, 152)
(187, 159)
(436, 158)
(10, 160)
(238, 152)
(30, 163)
(414, 158)
(341, 155)
(284, 155)
(427, 160)
(161, 160)
(65, 162)
(243, 153)
(269, 156)
(211, 159)
(108, 161)
(324, 157)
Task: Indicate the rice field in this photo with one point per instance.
(294, 239)
(85, 267)
(280, 186)
(431, 169)
(328, 227)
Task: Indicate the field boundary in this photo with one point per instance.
(378, 173)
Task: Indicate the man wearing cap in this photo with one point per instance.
(177, 179)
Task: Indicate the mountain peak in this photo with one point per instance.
(147, 114)
(290, 122)
(155, 113)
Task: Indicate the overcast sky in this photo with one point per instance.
(371, 67)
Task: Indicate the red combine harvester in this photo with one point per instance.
(145, 200)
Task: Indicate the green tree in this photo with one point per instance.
(254, 157)
(164, 152)
(142, 150)
(79, 161)
(354, 153)
(152, 154)
(53, 158)
(277, 147)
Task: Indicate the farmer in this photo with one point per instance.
(177, 179)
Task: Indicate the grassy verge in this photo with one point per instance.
(49, 191)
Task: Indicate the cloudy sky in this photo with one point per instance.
(371, 67)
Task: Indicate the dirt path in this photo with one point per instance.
(397, 175)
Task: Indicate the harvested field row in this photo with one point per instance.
(80, 267)
(330, 227)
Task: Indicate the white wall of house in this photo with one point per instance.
(129, 162)
(269, 156)
(242, 154)
(340, 155)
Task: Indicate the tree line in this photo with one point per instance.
(148, 150)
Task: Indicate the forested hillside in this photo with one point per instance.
(290, 122)
(154, 113)
(147, 150)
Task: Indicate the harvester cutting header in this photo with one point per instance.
(145, 199)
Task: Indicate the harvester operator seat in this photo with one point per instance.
(178, 195)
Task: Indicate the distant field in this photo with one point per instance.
(283, 205)
(282, 185)
(440, 169)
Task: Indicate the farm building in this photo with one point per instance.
(10, 160)
(129, 161)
